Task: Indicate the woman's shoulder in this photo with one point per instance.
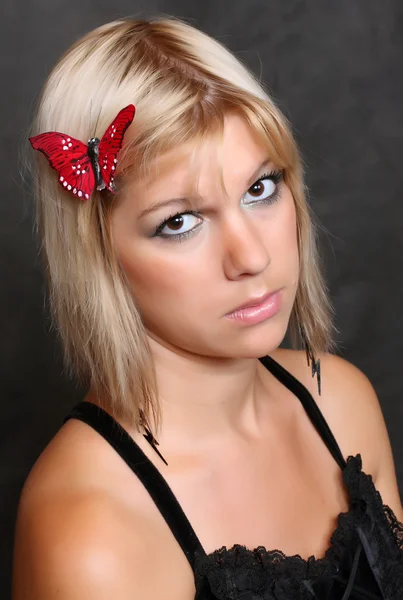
(87, 525)
(352, 410)
(347, 400)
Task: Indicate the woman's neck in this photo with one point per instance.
(206, 397)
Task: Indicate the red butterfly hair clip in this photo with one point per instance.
(82, 167)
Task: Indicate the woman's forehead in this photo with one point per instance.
(201, 163)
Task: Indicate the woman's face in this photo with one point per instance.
(190, 271)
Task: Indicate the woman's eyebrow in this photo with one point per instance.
(170, 202)
(183, 201)
(256, 173)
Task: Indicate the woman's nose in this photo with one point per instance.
(245, 251)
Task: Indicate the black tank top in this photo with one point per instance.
(365, 557)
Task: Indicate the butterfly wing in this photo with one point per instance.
(111, 143)
(70, 159)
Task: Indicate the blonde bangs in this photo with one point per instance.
(198, 127)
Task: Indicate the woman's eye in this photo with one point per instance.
(178, 225)
(264, 189)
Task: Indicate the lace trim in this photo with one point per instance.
(261, 574)
(395, 525)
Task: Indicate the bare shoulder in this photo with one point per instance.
(70, 548)
(350, 406)
(87, 529)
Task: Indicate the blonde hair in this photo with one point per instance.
(183, 83)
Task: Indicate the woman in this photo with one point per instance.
(173, 286)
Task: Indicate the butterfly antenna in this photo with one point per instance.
(97, 121)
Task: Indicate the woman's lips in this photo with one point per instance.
(250, 315)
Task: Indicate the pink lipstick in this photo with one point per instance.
(258, 310)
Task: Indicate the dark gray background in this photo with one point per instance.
(336, 70)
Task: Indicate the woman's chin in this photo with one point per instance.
(257, 343)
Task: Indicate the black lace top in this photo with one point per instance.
(365, 557)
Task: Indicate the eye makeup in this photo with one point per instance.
(275, 176)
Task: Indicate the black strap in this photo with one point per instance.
(309, 404)
(145, 470)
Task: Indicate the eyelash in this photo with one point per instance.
(275, 176)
